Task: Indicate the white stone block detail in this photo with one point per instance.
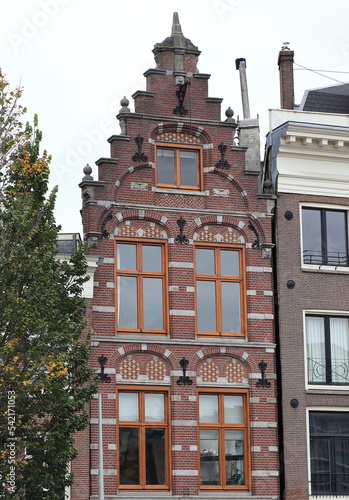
(167, 353)
(110, 284)
(121, 351)
(273, 448)
(255, 449)
(182, 472)
(106, 472)
(184, 265)
(257, 269)
(108, 260)
(111, 446)
(176, 447)
(176, 397)
(190, 289)
(105, 421)
(184, 423)
(193, 447)
(173, 288)
(144, 347)
(181, 312)
(251, 292)
(111, 395)
(192, 399)
(269, 293)
(105, 309)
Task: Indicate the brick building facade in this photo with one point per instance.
(306, 166)
(183, 302)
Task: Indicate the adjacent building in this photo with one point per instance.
(306, 166)
(182, 313)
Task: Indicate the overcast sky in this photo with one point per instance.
(77, 58)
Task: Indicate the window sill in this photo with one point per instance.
(316, 268)
(333, 390)
(180, 191)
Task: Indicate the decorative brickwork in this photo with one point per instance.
(139, 229)
(156, 369)
(129, 368)
(219, 234)
(209, 371)
(235, 373)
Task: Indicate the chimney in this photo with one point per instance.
(285, 63)
(241, 66)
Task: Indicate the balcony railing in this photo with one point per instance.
(325, 258)
(329, 484)
(318, 371)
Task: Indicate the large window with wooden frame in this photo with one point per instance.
(220, 290)
(140, 286)
(179, 167)
(143, 438)
(224, 439)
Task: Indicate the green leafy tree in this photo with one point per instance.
(45, 381)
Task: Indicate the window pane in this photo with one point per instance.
(129, 456)
(206, 306)
(233, 411)
(209, 458)
(315, 330)
(231, 307)
(234, 457)
(152, 301)
(339, 329)
(151, 258)
(127, 302)
(188, 160)
(336, 238)
(230, 262)
(320, 466)
(126, 256)
(155, 456)
(208, 408)
(165, 166)
(342, 465)
(154, 407)
(128, 406)
(205, 261)
(311, 224)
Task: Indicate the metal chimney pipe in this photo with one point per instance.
(241, 66)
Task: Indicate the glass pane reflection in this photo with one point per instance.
(209, 457)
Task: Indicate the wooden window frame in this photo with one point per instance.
(140, 274)
(177, 148)
(142, 425)
(221, 426)
(218, 279)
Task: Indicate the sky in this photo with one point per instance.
(76, 59)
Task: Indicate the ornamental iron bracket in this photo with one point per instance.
(184, 379)
(263, 382)
(139, 156)
(181, 238)
(102, 360)
(222, 163)
(104, 232)
(255, 244)
(180, 93)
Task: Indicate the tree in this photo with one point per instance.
(45, 381)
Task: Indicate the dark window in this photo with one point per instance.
(143, 439)
(223, 440)
(327, 349)
(325, 238)
(329, 453)
(179, 167)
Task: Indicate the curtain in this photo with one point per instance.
(315, 333)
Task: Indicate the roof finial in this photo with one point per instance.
(176, 27)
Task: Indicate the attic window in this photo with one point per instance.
(179, 167)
